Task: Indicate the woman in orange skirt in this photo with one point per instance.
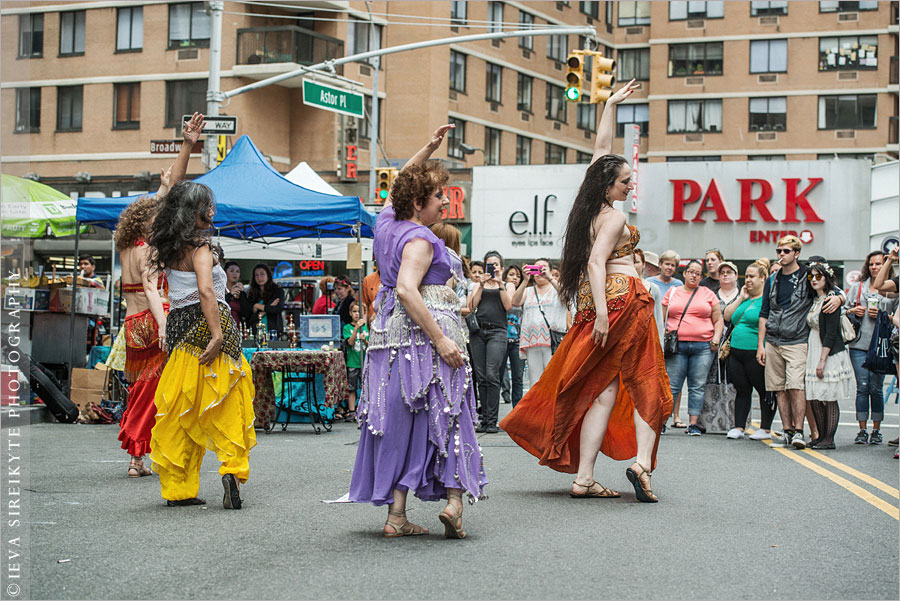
(605, 389)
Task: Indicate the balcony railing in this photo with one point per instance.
(268, 45)
(895, 77)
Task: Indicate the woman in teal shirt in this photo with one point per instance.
(743, 369)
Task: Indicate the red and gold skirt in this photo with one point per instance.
(547, 421)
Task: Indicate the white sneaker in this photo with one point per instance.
(735, 434)
(760, 434)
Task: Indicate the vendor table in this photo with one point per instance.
(264, 363)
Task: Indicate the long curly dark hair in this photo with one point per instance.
(133, 222)
(174, 228)
(256, 293)
(591, 199)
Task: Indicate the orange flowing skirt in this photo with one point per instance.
(547, 421)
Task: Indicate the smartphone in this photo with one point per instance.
(490, 269)
(533, 269)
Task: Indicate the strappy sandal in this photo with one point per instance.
(452, 520)
(605, 493)
(678, 424)
(407, 528)
(641, 483)
(137, 469)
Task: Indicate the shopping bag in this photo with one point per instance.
(717, 415)
(879, 358)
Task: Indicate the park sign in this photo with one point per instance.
(332, 99)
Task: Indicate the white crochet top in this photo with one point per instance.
(183, 286)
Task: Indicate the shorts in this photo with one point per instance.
(785, 367)
(353, 374)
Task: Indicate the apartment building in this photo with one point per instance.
(88, 86)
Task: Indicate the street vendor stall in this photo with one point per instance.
(257, 205)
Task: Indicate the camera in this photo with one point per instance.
(491, 269)
(329, 286)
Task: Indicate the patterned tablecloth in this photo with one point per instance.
(328, 363)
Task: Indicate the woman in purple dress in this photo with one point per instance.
(417, 404)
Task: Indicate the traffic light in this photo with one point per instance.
(603, 79)
(574, 76)
(383, 180)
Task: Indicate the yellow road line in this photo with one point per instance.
(860, 492)
(855, 473)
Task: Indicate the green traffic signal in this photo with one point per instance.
(383, 194)
(573, 93)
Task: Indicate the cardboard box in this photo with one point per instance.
(26, 299)
(89, 379)
(83, 398)
(90, 301)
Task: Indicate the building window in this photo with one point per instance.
(130, 29)
(184, 98)
(458, 12)
(586, 116)
(638, 114)
(591, 9)
(189, 25)
(457, 71)
(609, 15)
(491, 146)
(366, 131)
(831, 6)
(360, 38)
(557, 47)
(495, 17)
(554, 155)
(847, 111)
(71, 33)
(69, 103)
(632, 12)
(697, 159)
(127, 106)
(455, 137)
(848, 52)
(693, 116)
(31, 36)
(494, 85)
(28, 110)
(835, 156)
(523, 150)
(556, 105)
(758, 9)
(681, 10)
(583, 158)
(768, 114)
(523, 96)
(768, 56)
(526, 21)
(634, 64)
(766, 157)
(695, 59)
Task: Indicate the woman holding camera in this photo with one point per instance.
(542, 314)
(490, 300)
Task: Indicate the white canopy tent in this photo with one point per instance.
(303, 175)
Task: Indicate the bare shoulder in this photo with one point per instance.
(608, 219)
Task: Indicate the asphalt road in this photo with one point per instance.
(736, 520)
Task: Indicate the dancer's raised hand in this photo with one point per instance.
(192, 128)
(623, 92)
(439, 134)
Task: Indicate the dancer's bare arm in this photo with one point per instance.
(603, 144)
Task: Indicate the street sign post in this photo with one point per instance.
(332, 99)
(217, 125)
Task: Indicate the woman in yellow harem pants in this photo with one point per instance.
(205, 395)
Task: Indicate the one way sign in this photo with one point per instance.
(216, 125)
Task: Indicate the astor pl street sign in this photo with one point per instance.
(332, 99)
(217, 125)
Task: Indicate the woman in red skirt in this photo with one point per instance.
(605, 389)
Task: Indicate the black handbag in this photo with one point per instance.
(472, 323)
(879, 358)
(556, 336)
(670, 339)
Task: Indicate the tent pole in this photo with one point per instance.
(72, 319)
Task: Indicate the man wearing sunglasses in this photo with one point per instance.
(783, 335)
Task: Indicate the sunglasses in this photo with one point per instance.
(815, 276)
(784, 251)
(712, 250)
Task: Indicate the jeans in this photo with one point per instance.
(488, 351)
(692, 361)
(869, 385)
(517, 369)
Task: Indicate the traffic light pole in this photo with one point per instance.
(214, 96)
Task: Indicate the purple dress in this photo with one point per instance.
(417, 413)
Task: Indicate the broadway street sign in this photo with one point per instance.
(332, 99)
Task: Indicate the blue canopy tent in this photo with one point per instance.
(255, 202)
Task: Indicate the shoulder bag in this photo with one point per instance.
(670, 339)
(555, 335)
(849, 320)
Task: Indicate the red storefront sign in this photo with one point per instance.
(456, 209)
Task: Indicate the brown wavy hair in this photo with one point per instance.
(134, 222)
(414, 185)
(449, 234)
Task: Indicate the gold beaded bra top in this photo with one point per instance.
(627, 248)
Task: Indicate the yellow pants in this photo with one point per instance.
(200, 407)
